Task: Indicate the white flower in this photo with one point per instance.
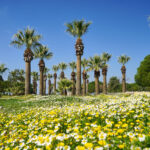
(141, 137)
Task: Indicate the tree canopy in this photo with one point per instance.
(142, 76)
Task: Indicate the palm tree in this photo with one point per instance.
(95, 64)
(123, 60)
(46, 70)
(87, 83)
(73, 76)
(105, 58)
(42, 52)
(64, 85)
(78, 29)
(55, 69)
(62, 67)
(35, 78)
(29, 39)
(2, 70)
(84, 64)
(49, 83)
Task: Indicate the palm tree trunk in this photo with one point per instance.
(44, 87)
(55, 77)
(41, 82)
(123, 70)
(27, 78)
(49, 87)
(87, 84)
(79, 52)
(78, 82)
(96, 74)
(41, 66)
(34, 86)
(28, 56)
(84, 83)
(74, 82)
(104, 72)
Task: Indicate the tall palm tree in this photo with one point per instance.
(84, 64)
(78, 29)
(62, 67)
(35, 78)
(42, 52)
(105, 58)
(2, 70)
(46, 70)
(95, 63)
(87, 83)
(29, 39)
(123, 60)
(49, 83)
(73, 76)
(55, 69)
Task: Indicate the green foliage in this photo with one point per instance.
(27, 38)
(4, 85)
(133, 87)
(95, 63)
(55, 68)
(105, 57)
(62, 66)
(142, 76)
(2, 69)
(16, 80)
(114, 85)
(84, 63)
(91, 87)
(42, 52)
(35, 75)
(77, 28)
(64, 85)
(72, 65)
(123, 59)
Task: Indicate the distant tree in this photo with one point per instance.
(73, 66)
(84, 64)
(142, 77)
(114, 85)
(105, 58)
(16, 80)
(42, 52)
(49, 83)
(55, 69)
(123, 59)
(133, 87)
(35, 78)
(62, 67)
(91, 87)
(64, 85)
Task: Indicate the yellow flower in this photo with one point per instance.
(80, 148)
(88, 145)
(121, 146)
(102, 142)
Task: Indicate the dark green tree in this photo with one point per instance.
(142, 76)
(114, 85)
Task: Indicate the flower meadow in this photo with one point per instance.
(76, 123)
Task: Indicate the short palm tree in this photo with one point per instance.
(64, 85)
(95, 63)
(46, 70)
(2, 70)
(73, 76)
(123, 60)
(35, 78)
(42, 52)
(62, 67)
(84, 64)
(29, 39)
(105, 58)
(55, 69)
(78, 29)
(49, 83)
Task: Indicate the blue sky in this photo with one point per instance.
(118, 27)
